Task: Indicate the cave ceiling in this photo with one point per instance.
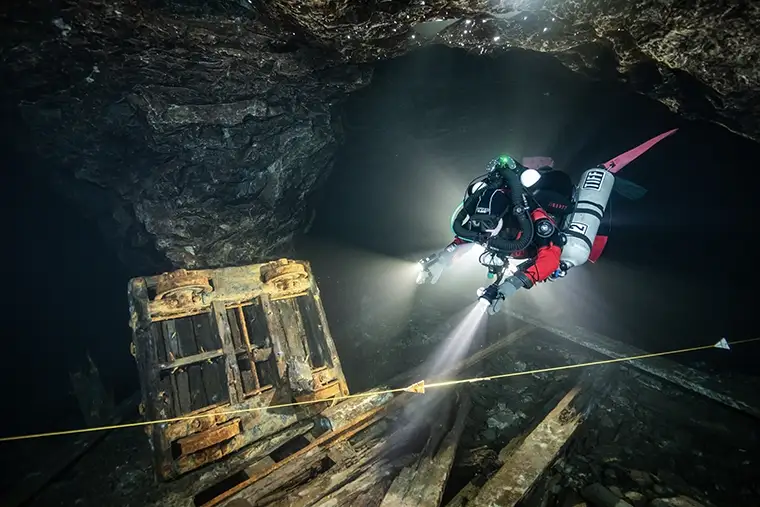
(203, 130)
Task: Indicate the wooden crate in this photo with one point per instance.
(208, 342)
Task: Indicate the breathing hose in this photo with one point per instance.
(519, 208)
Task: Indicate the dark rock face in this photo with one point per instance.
(696, 56)
(194, 129)
(204, 129)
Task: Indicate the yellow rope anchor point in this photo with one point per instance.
(417, 387)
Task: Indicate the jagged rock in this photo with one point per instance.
(600, 496)
(679, 501)
(205, 129)
(616, 491)
(502, 417)
(643, 479)
(570, 498)
(635, 498)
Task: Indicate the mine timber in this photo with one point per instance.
(243, 339)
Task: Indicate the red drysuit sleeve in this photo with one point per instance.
(546, 261)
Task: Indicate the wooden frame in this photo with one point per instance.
(209, 342)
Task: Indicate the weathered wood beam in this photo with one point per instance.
(335, 479)
(234, 381)
(423, 484)
(346, 495)
(723, 391)
(276, 335)
(313, 452)
(439, 467)
(146, 356)
(465, 495)
(197, 358)
(525, 464)
(248, 347)
(341, 414)
(197, 481)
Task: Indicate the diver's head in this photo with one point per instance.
(502, 163)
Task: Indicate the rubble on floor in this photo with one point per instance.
(603, 436)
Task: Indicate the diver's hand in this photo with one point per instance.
(431, 267)
(430, 274)
(506, 289)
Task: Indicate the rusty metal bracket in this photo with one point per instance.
(285, 278)
(181, 287)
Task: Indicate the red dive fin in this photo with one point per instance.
(536, 162)
(597, 248)
(629, 156)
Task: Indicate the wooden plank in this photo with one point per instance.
(733, 395)
(186, 361)
(276, 335)
(154, 401)
(336, 478)
(345, 496)
(527, 461)
(315, 336)
(295, 335)
(188, 345)
(198, 441)
(246, 375)
(249, 348)
(214, 385)
(315, 450)
(172, 353)
(231, 369)
(183, 392)
(332, 352)
(198, 399)
(438, 468)
(423, 483)
(464, 496)
(250, 458)
(158, 339)
(203, 328)
(215, 379)
(256, 323)
(235, 324)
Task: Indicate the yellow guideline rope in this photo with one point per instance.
(580, 365)
(417, 387)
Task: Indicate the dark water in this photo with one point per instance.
(67, 293)
(679, 262)
(673, 275)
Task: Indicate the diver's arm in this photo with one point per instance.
(433, 265)
(547, 259)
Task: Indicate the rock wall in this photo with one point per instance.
(203, 130)
(193, 132)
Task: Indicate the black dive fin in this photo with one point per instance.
(629, 189)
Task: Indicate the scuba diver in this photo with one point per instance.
(532, 222)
